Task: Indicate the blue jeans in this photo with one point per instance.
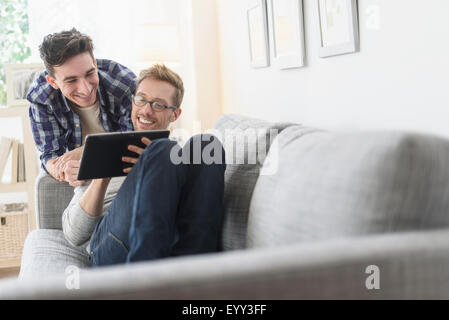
(165, 208)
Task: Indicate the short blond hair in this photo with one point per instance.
(162, 73)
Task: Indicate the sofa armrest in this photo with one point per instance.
(411, 266)
(52, 197)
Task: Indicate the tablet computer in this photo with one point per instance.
(103, 152)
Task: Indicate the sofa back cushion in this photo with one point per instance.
(246, 142)
(51, 199)
(333, 185)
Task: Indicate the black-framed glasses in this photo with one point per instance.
(156, 106)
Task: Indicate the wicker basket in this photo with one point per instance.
(13, 231)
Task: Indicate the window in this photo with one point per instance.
(13, 37)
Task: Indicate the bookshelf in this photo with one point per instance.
(18, 79)
(31, 171)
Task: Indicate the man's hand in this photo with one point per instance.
(54, 169)
(56, 166)
(136, 150)
(71, 169)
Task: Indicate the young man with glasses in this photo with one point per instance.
(161, 208)
(75, 96)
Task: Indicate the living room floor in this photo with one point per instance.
(9, 272)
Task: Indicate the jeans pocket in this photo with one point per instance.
(110, 250)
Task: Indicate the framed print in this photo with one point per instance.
(339, 28)
(258, 33)
(287, 20)
(18, 80)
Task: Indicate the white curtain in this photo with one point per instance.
(109, 23)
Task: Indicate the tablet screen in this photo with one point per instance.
(103, 152)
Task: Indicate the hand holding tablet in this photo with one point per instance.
(138, 151)
(104, 153)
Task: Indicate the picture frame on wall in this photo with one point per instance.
(339, 28)
(19, 77)
(258, 33)
(287, 22)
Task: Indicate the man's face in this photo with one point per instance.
(145, 118)
(77, 79)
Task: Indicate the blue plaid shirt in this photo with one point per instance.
(57, 129)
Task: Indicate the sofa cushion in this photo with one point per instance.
(46, 252)
(246, 142)
(52, 197)
(334, 185)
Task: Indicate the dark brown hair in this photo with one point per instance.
(162, 73)
(58, 47)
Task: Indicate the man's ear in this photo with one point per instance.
(175, 115)
(51, 81)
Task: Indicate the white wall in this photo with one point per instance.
(200, 61)
(398, 80)
(110, 26)
(206, 63)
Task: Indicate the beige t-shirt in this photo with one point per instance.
(90, 119)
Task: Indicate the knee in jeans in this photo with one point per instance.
(204, 139)
(204, 148)
(159, 146)
(162, 143)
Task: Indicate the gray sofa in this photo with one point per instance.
(309, 214)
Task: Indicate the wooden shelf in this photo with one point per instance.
(8, 263)
(18, 111)
(14, 187)
(19, 108)
(31, 171)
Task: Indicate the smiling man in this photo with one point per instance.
(75, 96)
(160, 209)
(150, 88)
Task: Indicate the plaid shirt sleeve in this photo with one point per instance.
(47, 134)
